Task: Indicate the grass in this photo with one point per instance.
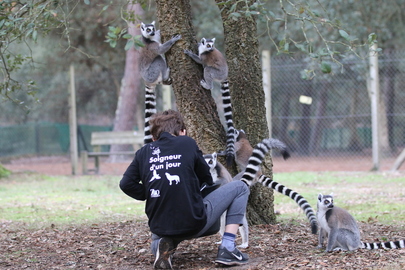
(38, 200)
(377, 197)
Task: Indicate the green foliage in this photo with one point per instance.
(114, 34)
(77, 38)
(21, 22)
(326, 67)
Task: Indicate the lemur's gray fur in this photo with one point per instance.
(341, 229)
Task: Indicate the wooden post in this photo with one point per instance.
(73, 121)
(375, 96)
(266, 68)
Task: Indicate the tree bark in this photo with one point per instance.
(247, 95)
(197, 105)
(194, 102)
(130, 87)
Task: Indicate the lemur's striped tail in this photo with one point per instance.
(256, 159)
(384, 245)
(150, 109)
(301, 201)
(230, 133)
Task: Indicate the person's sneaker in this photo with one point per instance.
(164, 254)
(234, 257)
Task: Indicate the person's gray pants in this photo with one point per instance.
(231, 197)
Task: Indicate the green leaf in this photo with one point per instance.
(34, 35)
(129, 44)
(113, 43)
(233, 7)
(138, 41)
(344, 34)
(286, 47)
(326, 67)
(302, 47)
(87, 2)
(127, 36)
(112, 35)
(372, 38)
(117, 30)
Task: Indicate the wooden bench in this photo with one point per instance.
(109, 138)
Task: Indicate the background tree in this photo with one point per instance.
(131, 83)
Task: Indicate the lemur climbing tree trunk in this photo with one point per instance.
(194, 102)
(197, 104)
(246, 86)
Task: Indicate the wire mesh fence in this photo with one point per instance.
(43, 139)
(327, 116)
(330, 115)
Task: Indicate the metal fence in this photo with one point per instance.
(330, 115)
(336, 123)
(43, 139)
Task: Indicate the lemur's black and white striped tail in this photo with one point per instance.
(230, 133)
(256, 159)
(150, 109)
(384, 245)
(301, 201)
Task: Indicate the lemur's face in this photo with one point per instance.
(211, 160)
(206, 45)
(148, 30)
(325, 202)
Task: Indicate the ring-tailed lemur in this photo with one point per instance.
(243, 151)
(220, 175)
(150, 109)
(341, 229)
(213, 62)
(216, 69)
(153, 68)
(301, 201)
(231, 131)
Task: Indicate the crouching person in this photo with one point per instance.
(168, 174)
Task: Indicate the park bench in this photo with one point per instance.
(99, 139)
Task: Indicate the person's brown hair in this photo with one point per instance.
(167, 121)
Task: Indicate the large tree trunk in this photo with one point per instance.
(245, 81)
(130, 87)
(197, 104)
(194, 102)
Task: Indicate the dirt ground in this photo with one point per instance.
(125, 245)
